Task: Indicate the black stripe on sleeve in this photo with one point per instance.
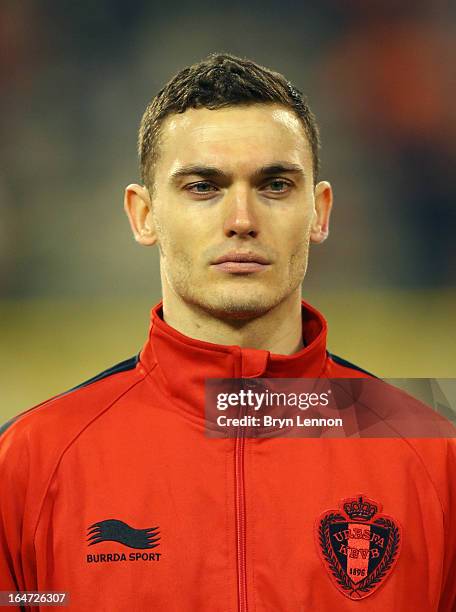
(348, 364)
(7, 425)
(123, 366)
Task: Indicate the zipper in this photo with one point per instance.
(240, 518)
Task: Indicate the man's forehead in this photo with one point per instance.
(267, 131)
(274, 116)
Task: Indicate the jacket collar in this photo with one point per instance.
(183, 364)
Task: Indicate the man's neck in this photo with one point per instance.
(278, 331)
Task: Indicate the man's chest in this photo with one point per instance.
(197, 524)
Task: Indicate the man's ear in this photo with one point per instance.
(323, 205)
(138, 206)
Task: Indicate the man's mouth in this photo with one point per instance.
(241, 263)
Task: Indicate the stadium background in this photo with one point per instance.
(75, 289)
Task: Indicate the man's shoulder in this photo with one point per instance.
(339, 367)
(60, 416)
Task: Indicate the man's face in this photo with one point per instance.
(233, 184)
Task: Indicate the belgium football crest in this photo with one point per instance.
(358, 545)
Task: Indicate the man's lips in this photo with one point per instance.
(241, 263)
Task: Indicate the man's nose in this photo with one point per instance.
(240, 214)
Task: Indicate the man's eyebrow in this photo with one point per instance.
(279, 168)
(213, 172)
(200, 170)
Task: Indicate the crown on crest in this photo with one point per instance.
(359, 509)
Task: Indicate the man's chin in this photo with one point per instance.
(237, 307)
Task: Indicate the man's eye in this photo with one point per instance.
(278, 185)
(201, 187)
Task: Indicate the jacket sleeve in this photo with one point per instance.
(448, 593)
(13, 493)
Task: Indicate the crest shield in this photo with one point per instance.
(358, 545)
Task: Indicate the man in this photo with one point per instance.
(113, 493)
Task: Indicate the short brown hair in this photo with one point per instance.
(218, 81)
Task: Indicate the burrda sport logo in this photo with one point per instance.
(115, 530)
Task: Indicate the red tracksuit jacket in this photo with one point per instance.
(113, 493)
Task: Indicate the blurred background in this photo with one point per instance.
(75, 77)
